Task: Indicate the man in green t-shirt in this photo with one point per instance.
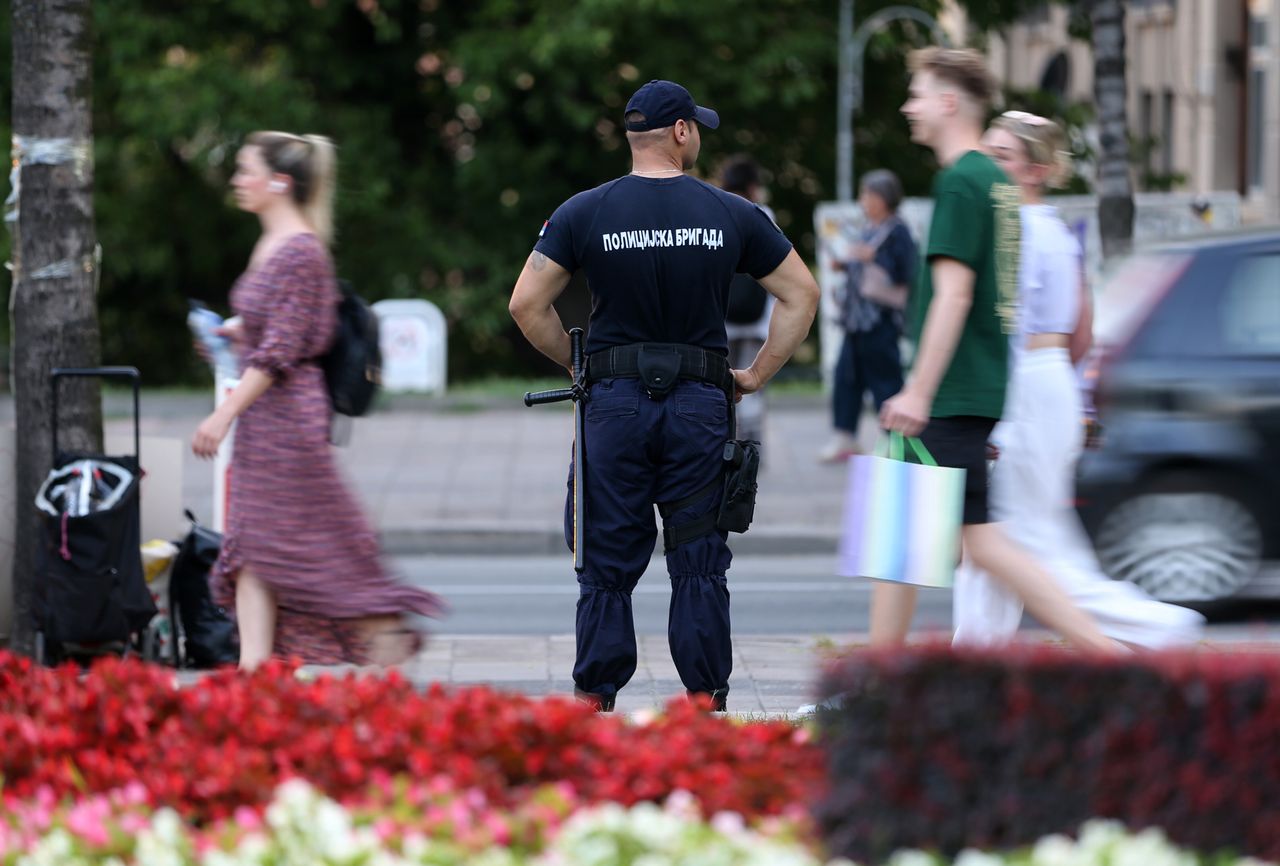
(963, 314)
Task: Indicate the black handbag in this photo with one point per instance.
(204, 635)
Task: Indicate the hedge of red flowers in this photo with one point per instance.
(935, 749)
(229, 739)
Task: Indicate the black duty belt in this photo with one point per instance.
(660, 365)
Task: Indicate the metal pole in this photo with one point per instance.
(844, 106)
(849, 97)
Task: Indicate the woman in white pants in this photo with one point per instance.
(1042, 433)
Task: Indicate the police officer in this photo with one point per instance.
(659, 249)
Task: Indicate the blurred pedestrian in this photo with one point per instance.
(964, 309)
(659, 249)
(878, 275)
(750, 306)
(299, 561)
(1041, 434)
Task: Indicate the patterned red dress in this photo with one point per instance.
(291, 518)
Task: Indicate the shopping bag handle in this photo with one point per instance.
(892, 447)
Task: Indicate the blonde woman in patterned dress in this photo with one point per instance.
(299, 561)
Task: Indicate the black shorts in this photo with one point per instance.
(961, 443)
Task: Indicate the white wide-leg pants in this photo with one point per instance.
(1032, 489)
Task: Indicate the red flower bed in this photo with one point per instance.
(229, 739)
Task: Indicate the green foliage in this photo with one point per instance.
(460, 127)
(1141, 151)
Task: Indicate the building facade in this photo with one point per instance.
(1204, 89)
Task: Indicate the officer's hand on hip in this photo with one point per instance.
(745, 382)
(906, 413)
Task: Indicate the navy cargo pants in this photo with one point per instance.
(639, 452)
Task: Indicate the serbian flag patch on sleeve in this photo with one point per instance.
(545, 223)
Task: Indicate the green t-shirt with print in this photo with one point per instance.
(976, 222)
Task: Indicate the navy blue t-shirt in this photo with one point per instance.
(659, 254)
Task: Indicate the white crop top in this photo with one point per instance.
(1049, 274)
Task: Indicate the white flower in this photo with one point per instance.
(970, 857)
(728, 823)
(912, 858)
(1056, 850)
(1098, 837)
(215, 857)
(652, 860)
(1149, 848)
(57, 848)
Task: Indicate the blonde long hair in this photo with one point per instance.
(311, 161)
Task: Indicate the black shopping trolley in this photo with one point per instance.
(91, 595)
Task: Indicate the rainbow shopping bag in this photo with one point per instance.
(902, 520)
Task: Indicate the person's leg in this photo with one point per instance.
(846, 401)
(892, 608)
(620, 534)
(1008, 563)
(255, 618)
(388, 639)
(698, 630)
(881, 361)
(1043, 521)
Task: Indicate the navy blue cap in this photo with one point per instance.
(663, 103)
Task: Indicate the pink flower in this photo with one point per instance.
(133, 824)
(385, 828)
(86, 821)
(247, 819)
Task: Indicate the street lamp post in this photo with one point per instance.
(849, 96)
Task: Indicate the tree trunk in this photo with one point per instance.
(1115, 186)
(53, 302)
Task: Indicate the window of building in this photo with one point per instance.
(1257, 106)
(1166, 133)
(1146, 127)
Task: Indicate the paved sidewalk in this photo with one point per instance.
(771, 674)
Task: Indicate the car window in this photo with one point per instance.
(1131, 291)
(1251, 307)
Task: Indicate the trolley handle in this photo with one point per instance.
(57, 374)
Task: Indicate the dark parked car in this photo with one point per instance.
(1179, 494)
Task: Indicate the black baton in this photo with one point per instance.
(578, 394)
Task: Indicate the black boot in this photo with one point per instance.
(600, 703)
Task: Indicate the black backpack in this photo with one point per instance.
(747, 300)
(204, 636)
(353, 365)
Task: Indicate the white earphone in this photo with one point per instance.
(277, 186)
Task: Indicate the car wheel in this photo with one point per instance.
(1185, 538)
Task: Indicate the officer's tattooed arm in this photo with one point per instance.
(532, 306)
